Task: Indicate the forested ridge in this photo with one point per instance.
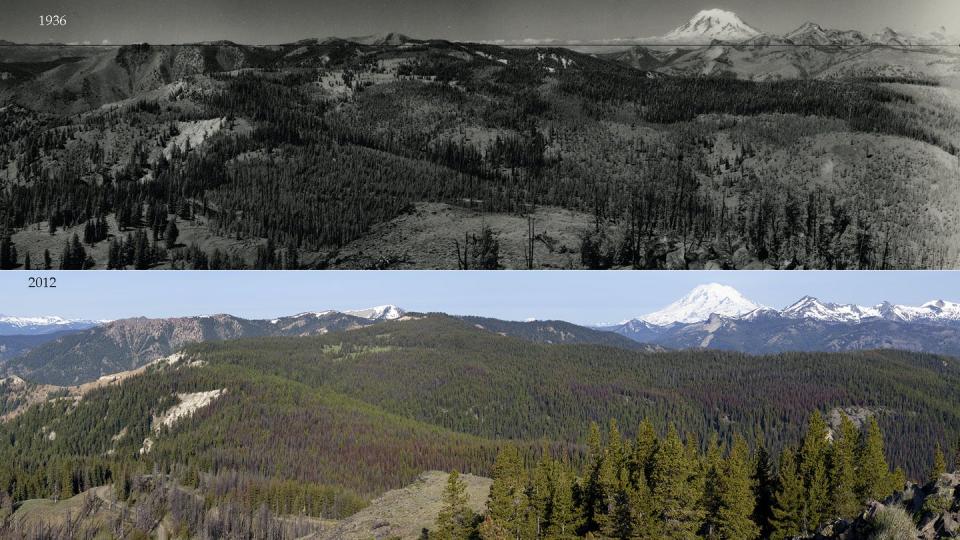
(309, 155)
(446, 372)
(317, 426)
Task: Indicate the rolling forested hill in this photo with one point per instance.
(441, 371)
(319, 425)
(225, 156)
(81, 357)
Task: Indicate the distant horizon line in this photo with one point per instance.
(544, 43)
(456, 313)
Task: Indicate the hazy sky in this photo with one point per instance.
(276, 21)
(580, 297)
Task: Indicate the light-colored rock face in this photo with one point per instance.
(192, 134)
(189, 403)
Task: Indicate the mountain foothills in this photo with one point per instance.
(710, 316)
(726, 147)
(127, 344)
(329, 436)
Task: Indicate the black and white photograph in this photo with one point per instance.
(479, 405)
(436, 134)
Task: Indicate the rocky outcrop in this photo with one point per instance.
(927, 512)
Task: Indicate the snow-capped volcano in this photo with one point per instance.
(713, 24)
(715, 299)
(11, 326)
(702, 302)
(378, 313)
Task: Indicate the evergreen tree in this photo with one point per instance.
(292, 259)
(939, 464)
(540, 494)
(735, 499)
(563, 519)
(508, 504)
(455, 521)
(171, 233)
(788, 519)
(645, 524)
(956, 454)
(674, 498)
(591, 499)
(47, 260)
(66, 482)
(813, 469)
(642, 453)
(27, 263)
(713, 464)
(115, 255)
(8, 255)
(610, 517)
(765, 488)
(843, 474)
(142, 254)
(875, 479)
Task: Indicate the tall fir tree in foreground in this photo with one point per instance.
(675, 498)
(735, 499)
(876, 481)
(843, 473)
(939, 464)
(813, 470)
(764, 488)
(508, 503)
(789, 519)
(455, 521)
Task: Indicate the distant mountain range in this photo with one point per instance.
(126, 344)
(719, 317)
(705, 301)
(26, 326)
(713, 42)
(710, 316)
(717, 42)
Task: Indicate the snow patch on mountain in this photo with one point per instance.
(10, 325)
(378, 313)
(713, 24)
(809, 307)
(812, 308)
(702, 302)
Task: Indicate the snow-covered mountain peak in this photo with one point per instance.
(378, 313)
(700, 303)
(10, 325)
(809, 307)
(713, 24)
(943, 309)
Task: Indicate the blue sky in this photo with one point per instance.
(580, 297)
